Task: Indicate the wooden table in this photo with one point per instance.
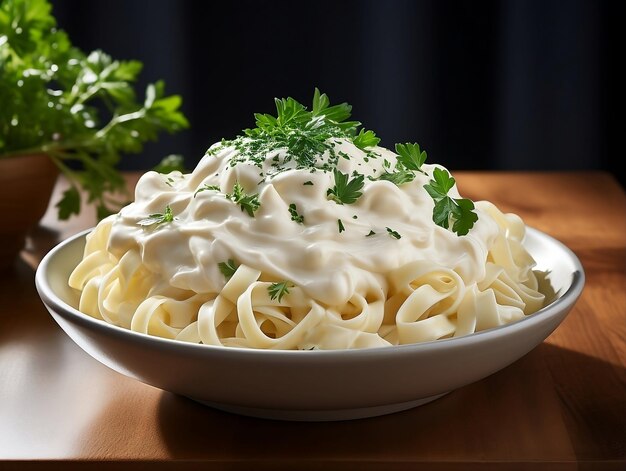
(562, 406)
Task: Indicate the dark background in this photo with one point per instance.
(518, 84)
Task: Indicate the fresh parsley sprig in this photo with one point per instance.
(206, 187)
(335, 115)
(157, 219)
(410, 159)
(365, 139)
(278, 290)
(447, 210)
(345, 190)
(411, 156)
(228, 268)
(303, 136)
(399, 177)
(248, 202)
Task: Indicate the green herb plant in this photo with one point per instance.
(78, 108)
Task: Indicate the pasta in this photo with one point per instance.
(290, 267)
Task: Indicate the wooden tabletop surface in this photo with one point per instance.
(560, 407)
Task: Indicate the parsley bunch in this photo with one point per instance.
(308, 138)
(74, 107)
(303, 135)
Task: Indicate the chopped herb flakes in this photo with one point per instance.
(294, 214)
(393, 233)
(340, 225)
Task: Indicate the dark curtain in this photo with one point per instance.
(518, 84)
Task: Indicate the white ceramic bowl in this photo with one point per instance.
(311, 385)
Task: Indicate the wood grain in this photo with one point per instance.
(560, 407)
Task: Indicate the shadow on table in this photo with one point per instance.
(553, 404)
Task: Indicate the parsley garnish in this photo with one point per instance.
(299, 138)
(399, 177)
(340, 225)
(366, 139)
(158, 218)
(459, 211)
(294, 214)
(393, 233)
(410, 160)
(248, 203)
(228, 268)
(206, 187)
(278, 290)
(300, 135)
(345, 191)
(410, 156)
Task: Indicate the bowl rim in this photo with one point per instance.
(54, 303)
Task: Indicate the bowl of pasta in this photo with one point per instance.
(303, 272)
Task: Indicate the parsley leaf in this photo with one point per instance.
(464, 216)
(207, 187)
(290, 111)
(345, 190)
(410, 156)
(248, 203)
(228, 268)
(278, 290)
(158, 218)
(371, 233)
(308, 183)
(440, 185)
(336, 114)
(399, 177)
(365, 139)
(294, 214)
(459, 211)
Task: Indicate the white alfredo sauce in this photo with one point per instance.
(327, 264)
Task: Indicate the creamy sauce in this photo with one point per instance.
(209, 228)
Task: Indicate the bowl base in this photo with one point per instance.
(319, 415)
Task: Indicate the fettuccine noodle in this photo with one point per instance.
(359, 287)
